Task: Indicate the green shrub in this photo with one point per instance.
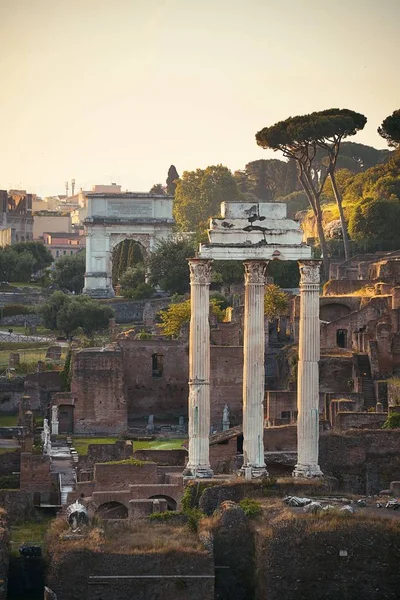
(10, 310)
(194, 516)
(392, 422)
(251, 507)
(9, 482)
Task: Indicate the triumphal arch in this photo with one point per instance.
(254, 233)
(112, 218)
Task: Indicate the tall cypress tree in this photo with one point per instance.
(172, 180)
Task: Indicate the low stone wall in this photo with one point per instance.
(362, 462)
(75, 575)
(41, 387)
(109, 476)
(11, 391)
(280, 438)
(312, 558)
(343, 287)
(18, 504)
(102, 453)
(359, 420)
(35, 473)
(10, 462)
(174, 458)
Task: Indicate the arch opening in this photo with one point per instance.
(112, 510)
(171, 503)
(128, 254)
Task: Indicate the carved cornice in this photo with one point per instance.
(200, 271)
(310, 272)
(255, 271)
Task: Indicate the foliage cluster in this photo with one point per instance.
(21, 261)
(276, 301)
(251, 507)
(10, 310)
(69, 272)
(168, 265)
(173, 317)
(68, 313)
(392, 422)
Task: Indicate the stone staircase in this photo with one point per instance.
(62, 465)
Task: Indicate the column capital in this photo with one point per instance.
(200, 271)
(310, 271)
(255, 271)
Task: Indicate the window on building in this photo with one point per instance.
(285, 414)
(64, 252)
(72, 251)
(57, 253)
(157, 365)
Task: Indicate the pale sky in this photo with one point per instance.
(117, 90)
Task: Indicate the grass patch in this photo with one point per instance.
(29, 532)
(5, 450)
(8, 420)
(251, 508)
(81, 444)
(127, 461)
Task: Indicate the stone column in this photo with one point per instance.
(199, 370)
(308, 373)
(254, 368)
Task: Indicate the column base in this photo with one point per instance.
(249, 472)
(198, 472)
(307, 471)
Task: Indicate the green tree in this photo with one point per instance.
(41, 255)
(300, 138)
(390, 129)
(172, 180)
(266, 179)
(199, 194)
(51, 309)
(168, 265)
(376, 219)
(83, 312)
(276, 302)
(69, 272)
(173, 317)
(158, 189)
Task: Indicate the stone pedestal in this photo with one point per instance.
(54, 427)
(308, 372)
(254, 369)
(199, 371)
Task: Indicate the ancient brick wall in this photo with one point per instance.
(35, 473)
(109, 476)
(393, 391)
(227, 334)
(280, 438)
(98, 390)
(363, 462)
(101, 453)
(226, 384)
(10, 462)
(11, 391)
(177, 458)
(18, 505)
(41, 387)
(359, 420)
(73, 576)
(221, 455)
(163, 393)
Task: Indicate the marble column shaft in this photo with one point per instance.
(199, 370)
(254, 368)
(308, 372)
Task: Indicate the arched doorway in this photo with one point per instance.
(128, 254)
(171, 503)
(112, 510)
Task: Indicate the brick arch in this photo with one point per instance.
(171, 502)
(334, 310)
(112, 510)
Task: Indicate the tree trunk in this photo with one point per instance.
(338, 197)
(316, 208)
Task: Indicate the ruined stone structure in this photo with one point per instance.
(255, 234)
(112, 218)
